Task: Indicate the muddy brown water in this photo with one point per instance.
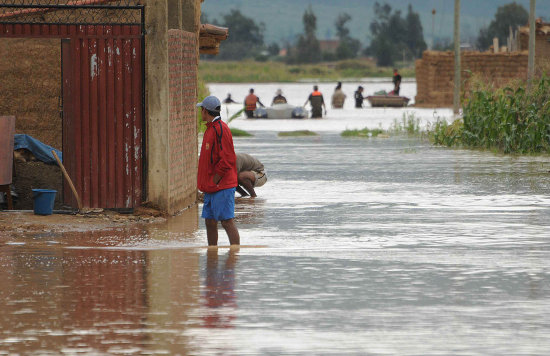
(354, 246)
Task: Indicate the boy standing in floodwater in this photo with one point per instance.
(217, 173)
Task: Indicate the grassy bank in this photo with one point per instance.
(262, 72)
(509, 120)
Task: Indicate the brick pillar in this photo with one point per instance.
(182, 60)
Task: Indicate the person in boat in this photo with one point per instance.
(279, 98)
(229, 100)
(217, 173)
(358, 95)
(250, 103)
(338, 97)
(317, 103)
(250, 174)
(396, 82)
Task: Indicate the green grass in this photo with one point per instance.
(297, 133)
(366, 132)
(261, 72)
(240, 133)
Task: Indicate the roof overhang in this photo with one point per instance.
(210, 37)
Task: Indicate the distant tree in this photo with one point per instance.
(443, 44)
(386, 28)
(348, 46)
(414, 36)
(273, 49)
(245, 37)
(512, 14)
(307, 48)
(394, 36)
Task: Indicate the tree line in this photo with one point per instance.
(393, 36)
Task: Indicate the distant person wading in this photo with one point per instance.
(359, 97)
(317, 103)
(338, 97)
(250, 103)
(279, 98)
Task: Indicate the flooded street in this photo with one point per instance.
(353, 247)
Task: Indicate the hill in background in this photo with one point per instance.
(283, 18)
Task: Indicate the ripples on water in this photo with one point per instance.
(377, 246)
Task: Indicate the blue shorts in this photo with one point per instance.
(219, 205)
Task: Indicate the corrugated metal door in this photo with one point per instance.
(102, 100)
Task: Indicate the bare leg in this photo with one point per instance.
(247, 180)
(232, 232)
(211, 231)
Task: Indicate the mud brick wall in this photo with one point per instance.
(183, 67)
(542, 50)
(30, 87)
(435, 73)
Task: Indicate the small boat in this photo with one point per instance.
(387, 100)
(281, 111)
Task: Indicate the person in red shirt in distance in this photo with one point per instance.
(217, 174)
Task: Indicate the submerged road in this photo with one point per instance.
(353, 247)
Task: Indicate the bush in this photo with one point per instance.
(511, 120)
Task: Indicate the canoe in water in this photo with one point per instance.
(387, 100)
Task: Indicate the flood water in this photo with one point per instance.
(353, 247)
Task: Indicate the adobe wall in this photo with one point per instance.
(542, 44)
(435, 73)
(30, 84)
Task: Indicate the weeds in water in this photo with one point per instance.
(409, 124)
(366, 132)
(297, 133)
(240, 133)
(446, 134)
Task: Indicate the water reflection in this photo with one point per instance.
(378, 246)
(219, 288)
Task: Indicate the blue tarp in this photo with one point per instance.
(41, 151)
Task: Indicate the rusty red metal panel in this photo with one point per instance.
(137, 120)
(68, 138)
(95, 168)
(111, 150)
(128, 121)
(103, 116)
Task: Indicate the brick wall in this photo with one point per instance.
(30, 84)
(435, 73)
(542, 45)
(182, 57)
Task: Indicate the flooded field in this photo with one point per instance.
(353, 247)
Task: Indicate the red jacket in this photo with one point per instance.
(217, 156)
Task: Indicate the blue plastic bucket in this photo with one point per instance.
(43, 201)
